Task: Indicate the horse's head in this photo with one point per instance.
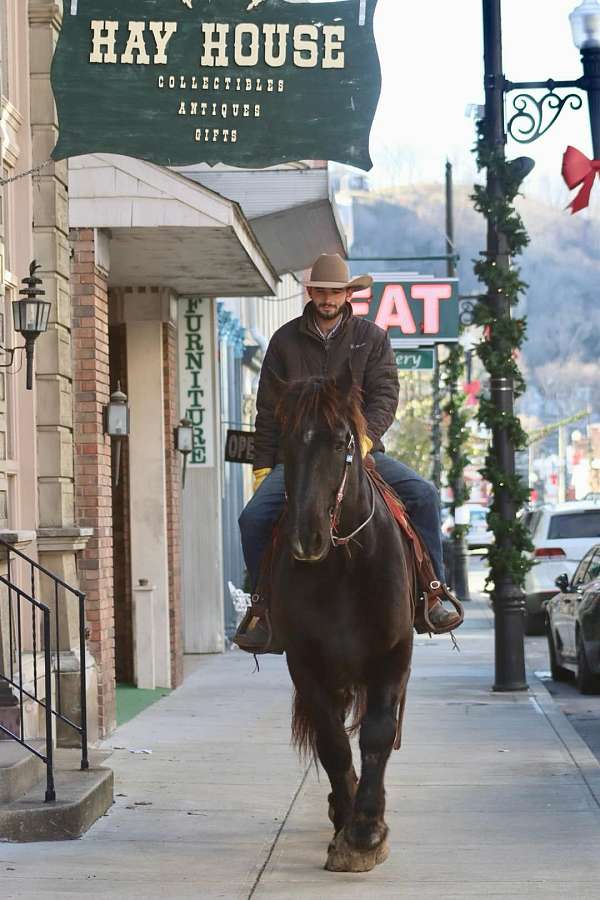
(321, 421)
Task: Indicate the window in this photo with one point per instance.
(580, 572)
(532, 520)
(575, 525)
(594, 570)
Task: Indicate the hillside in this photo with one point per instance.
(561, 267)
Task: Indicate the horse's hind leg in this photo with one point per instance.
(319, 723)
(364, 840)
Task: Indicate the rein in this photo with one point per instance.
(334, 513)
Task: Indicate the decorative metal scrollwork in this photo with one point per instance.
(527, 124)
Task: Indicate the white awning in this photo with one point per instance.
(290, 210)
(166, 230)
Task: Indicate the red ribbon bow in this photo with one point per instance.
(577, 170)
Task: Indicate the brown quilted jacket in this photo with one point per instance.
(297, 350)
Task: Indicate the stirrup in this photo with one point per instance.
(439, 591)
(256, 610)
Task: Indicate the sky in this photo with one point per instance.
(431, 53)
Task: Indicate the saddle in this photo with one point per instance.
(428, 587)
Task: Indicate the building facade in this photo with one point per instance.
(165, 287)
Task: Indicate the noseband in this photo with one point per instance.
(334, 512)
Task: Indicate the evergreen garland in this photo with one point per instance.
(498, 352)
(457, 433)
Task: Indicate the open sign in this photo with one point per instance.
(239, 447)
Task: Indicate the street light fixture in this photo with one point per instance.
(117, 424)
(184, 443)
(585, 24)
(31, 315)
(30, 318)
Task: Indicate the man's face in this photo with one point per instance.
(329, 302)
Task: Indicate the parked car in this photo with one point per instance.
(478, 536)
(573, 625)
(562, 533)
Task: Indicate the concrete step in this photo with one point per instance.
(82, 798)
(20, 769)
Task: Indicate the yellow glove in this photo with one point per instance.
(366, 445)
(258, 476)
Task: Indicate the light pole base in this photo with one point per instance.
(460, 573)
(510, 688)
(509, 614)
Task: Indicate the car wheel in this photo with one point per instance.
(558, 672)
(587, 681)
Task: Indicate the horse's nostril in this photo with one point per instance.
(309, 547)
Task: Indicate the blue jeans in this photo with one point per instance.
(418, 495)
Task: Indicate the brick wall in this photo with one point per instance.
(121, 525)
(173, 480)
(93, 490)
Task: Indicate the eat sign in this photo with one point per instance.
(394, 310)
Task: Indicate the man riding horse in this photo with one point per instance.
(325, 340)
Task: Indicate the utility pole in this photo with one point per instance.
(436, 416)
(460, 577)
(508, 599)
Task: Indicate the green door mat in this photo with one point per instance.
(132, 700)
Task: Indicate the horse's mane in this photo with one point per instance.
(321, 400)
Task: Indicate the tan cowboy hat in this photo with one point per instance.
(331, 271)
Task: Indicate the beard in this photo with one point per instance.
(330, 313)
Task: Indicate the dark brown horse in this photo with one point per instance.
(344, 610)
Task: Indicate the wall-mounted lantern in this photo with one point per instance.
(116, 423)
(30, 318)
(184, 443)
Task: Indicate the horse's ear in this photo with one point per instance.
(344, 381)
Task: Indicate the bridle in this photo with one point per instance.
(334, 512)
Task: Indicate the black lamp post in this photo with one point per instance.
(532, 117)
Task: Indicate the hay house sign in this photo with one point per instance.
(246, 84)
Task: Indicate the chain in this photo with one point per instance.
(37, 169)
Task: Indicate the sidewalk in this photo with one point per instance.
(492, 795)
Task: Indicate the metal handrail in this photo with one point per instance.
(15, 678)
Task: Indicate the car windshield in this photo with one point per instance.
(575, 525)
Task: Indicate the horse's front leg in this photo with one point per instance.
(363, 843)
(319, 722)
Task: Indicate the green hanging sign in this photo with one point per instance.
(417, 360)
(247, 83)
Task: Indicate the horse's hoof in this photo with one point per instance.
(342, 857)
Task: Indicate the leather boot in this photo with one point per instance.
(255, 634)
(436, 619)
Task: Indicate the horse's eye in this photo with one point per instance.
(339, 446)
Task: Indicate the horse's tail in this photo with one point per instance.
(304, 735)
(356, 708)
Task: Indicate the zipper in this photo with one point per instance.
(326, 366)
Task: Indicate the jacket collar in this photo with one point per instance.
(307, 322)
